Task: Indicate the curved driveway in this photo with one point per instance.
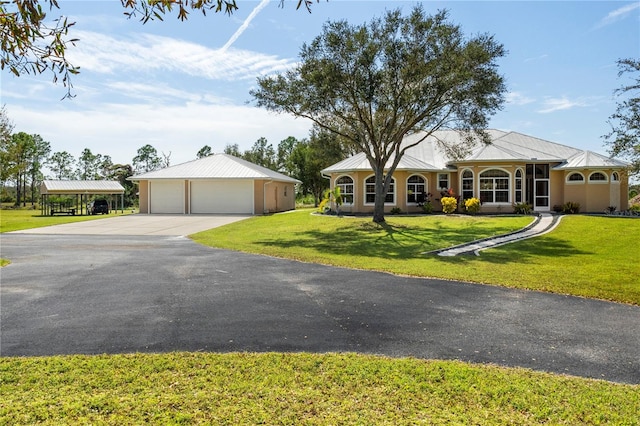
(68, 294)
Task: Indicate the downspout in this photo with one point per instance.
(264, 196)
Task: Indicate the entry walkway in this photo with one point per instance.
(544, 223)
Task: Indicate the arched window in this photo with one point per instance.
(416, 189)
(370, 191)
(519, 186)
(494, 186)
(615, 177)
(597, 177)
(575, 178)
(345, 183)
(467, 184)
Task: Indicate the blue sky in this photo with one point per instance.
(182, 85)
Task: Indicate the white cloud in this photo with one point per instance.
(517, 98)
(118, 129)
(106, 54)
(561, 104)
(536, 58)
(618, 14)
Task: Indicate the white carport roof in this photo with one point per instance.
(217, 166)
(92, 187)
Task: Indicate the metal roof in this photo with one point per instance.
(591, 160)
(360, 162)
(504, 146)
(81, 187)
(217, 166)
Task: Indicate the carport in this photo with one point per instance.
(80, 191)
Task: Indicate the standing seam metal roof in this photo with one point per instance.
(217, 166)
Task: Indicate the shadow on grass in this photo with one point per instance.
(386, 241)
(532, 250)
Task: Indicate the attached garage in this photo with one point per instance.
(222, 196)
(218, 184)
(166, 196)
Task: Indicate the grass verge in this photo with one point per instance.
(20, 219)
(585, 256)
(274, 388)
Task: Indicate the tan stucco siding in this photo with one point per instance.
(143, 191)
(258, 196)
(557, 187)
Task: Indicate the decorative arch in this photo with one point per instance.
(494, 186)
(345, 183)
(416, 188)
(575, 178)
(598, 177)
(370, 191)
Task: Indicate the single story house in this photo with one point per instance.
(219, 183)
(514, 168)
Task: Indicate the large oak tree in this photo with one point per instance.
(373, 84)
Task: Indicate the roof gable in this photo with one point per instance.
(505, 146)
(217, 166)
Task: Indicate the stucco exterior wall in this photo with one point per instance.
(274, 196)
(143, 197)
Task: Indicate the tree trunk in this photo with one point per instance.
(381, 193)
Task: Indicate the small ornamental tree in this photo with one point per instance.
(374, 84)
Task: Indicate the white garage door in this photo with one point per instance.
(167, 196)
(222, 196)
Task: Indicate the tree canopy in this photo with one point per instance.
(624, 138)
(373, 84)
(32, 43)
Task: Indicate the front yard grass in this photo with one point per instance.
(282, 388)
(586, 256)
(20, 219)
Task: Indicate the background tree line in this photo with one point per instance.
(25, 158)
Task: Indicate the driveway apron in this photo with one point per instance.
(78, 294)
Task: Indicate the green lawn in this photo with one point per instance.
(319, 389)
(591, 256)
(19, 219)
(585, 256)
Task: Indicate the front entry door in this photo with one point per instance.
(537, 184)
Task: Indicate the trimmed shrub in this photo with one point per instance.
(427, 207)
(524, 208)
(472, 205)
(396, 210)
(449, 204)
(571, 208)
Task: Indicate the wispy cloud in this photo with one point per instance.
(561, 104)
(145, 52)
(245, 24)
(536, 58)
(618, 14)
(517, 98)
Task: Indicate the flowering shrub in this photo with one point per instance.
(449, 204)
(472, 205)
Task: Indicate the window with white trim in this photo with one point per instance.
(345, 183)
(467, 184)
(519, 186)
(494, 186)
(615, 177)
(575, 178)
(443, 181)
(416, 189)
(597, 177)
(370, 191)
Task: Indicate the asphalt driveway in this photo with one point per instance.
(140, 224)
(70, 294)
